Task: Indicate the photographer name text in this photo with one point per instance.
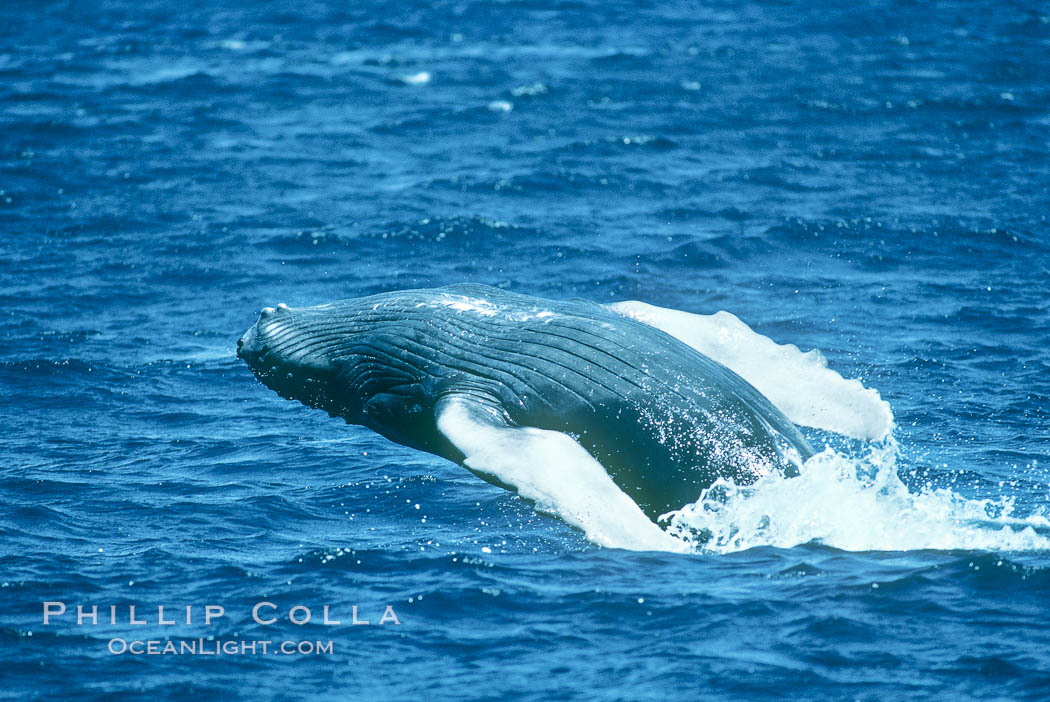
(264, 613)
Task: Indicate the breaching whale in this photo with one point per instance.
(595, 416)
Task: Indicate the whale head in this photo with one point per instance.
(341, 357)
(288, 353)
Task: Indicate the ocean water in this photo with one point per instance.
(866, 179)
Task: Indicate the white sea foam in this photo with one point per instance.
(532, 89)
(852, 504)
(168, 73)
(421, 78)
(799, 383)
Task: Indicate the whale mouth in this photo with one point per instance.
(244, 340)
(251, 347)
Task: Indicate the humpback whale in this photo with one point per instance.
(595, 416)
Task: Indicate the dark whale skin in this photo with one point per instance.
(663, 419)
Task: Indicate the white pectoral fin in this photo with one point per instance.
(553, 471)
(799, 384)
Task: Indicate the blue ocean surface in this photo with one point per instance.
(868, 179)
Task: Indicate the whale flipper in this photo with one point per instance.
(798, 383)
(552, 470)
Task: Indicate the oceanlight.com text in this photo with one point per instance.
(218, 647)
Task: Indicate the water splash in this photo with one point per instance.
(855, 504)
